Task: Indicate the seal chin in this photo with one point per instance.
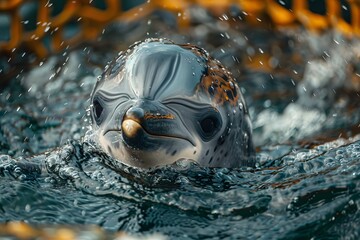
(154, 159)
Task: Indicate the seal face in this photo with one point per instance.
(160, 102)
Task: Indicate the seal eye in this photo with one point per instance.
(210, 125)
(97, 110)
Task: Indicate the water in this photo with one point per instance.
(306, 183)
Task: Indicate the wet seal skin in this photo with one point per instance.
(161, 102)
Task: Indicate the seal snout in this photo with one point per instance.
(150, 123)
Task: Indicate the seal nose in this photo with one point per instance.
(143, 121)
(135, 113)
(148, 116)
(131, 124)
(146, 123)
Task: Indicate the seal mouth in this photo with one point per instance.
(135, 135)
(132, 129)
(148, 125)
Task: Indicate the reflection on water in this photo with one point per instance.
(306, 183)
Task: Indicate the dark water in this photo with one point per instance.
(306, 184)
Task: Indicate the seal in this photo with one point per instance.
(161, 102)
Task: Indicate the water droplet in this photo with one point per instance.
(27, 208)
(231, 85)
(267, 103)
(246, 137)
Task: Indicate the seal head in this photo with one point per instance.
(160, 102)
